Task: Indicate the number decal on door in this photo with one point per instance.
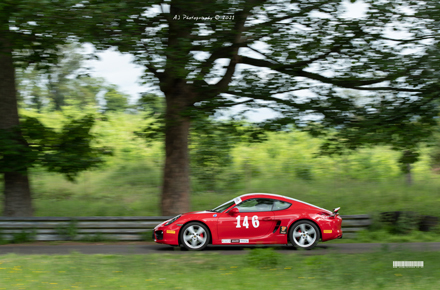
(238, 221)
(255, 222)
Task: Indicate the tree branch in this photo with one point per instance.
(297, 70)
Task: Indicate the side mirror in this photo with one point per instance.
(234, 211)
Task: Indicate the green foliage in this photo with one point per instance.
(25, 236)
(115, 101)
(210, 150)
(15, 154)
(211, 144)
(147, 236)
(3, 241)
(74, 152)
(69, 151)
(98, 237)
(303, 171)
(70, 231)
(36, 29)
(151, 103)
(405, 223)
(62, 85)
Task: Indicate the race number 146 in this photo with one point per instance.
(255, 222)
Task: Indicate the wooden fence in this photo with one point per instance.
(112, 228)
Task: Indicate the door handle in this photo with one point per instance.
(267, 219)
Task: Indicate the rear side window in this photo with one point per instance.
(280, 205)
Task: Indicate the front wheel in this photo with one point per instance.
(194, 236)
(304, 235)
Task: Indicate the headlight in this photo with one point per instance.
(173, 220)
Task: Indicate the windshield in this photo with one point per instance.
(224, 206)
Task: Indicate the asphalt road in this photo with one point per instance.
(152, 248)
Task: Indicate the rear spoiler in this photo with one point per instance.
(335, 211)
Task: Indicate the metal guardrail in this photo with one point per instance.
(351, 224)
(113, 228)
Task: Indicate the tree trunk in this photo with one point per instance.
(408, 175)
(17, 201)
(175, 197)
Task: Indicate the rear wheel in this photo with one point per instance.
(304, 235)
(194, 236)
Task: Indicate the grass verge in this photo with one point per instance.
(258, 269)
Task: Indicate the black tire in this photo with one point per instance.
(304, 235)
(194, 236)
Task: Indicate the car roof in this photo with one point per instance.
(277, 196)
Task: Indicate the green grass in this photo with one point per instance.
(114, 191)
(259, 269)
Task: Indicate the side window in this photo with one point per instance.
(280, 205)
(256, 205)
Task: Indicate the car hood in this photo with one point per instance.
(197, 212)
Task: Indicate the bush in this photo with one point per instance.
(98, 237)
(400, 222)
(24, 236)
(70, 231)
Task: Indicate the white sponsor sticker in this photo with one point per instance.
(244, 241)
(226, 241)
(237, 200)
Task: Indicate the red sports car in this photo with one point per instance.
(250, 219)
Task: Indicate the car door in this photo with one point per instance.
(255, 219)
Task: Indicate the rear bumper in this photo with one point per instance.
(332, 229)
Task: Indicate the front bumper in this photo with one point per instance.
(168, 235)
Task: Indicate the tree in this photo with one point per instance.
(210, 55)
(68, 64)
(31, 89)
(211, 144)
(151, 103)
(211, 140)
(114, 100)
(65, 83)
(402, 128)
(30, 33)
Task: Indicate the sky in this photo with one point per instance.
(118, 69)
